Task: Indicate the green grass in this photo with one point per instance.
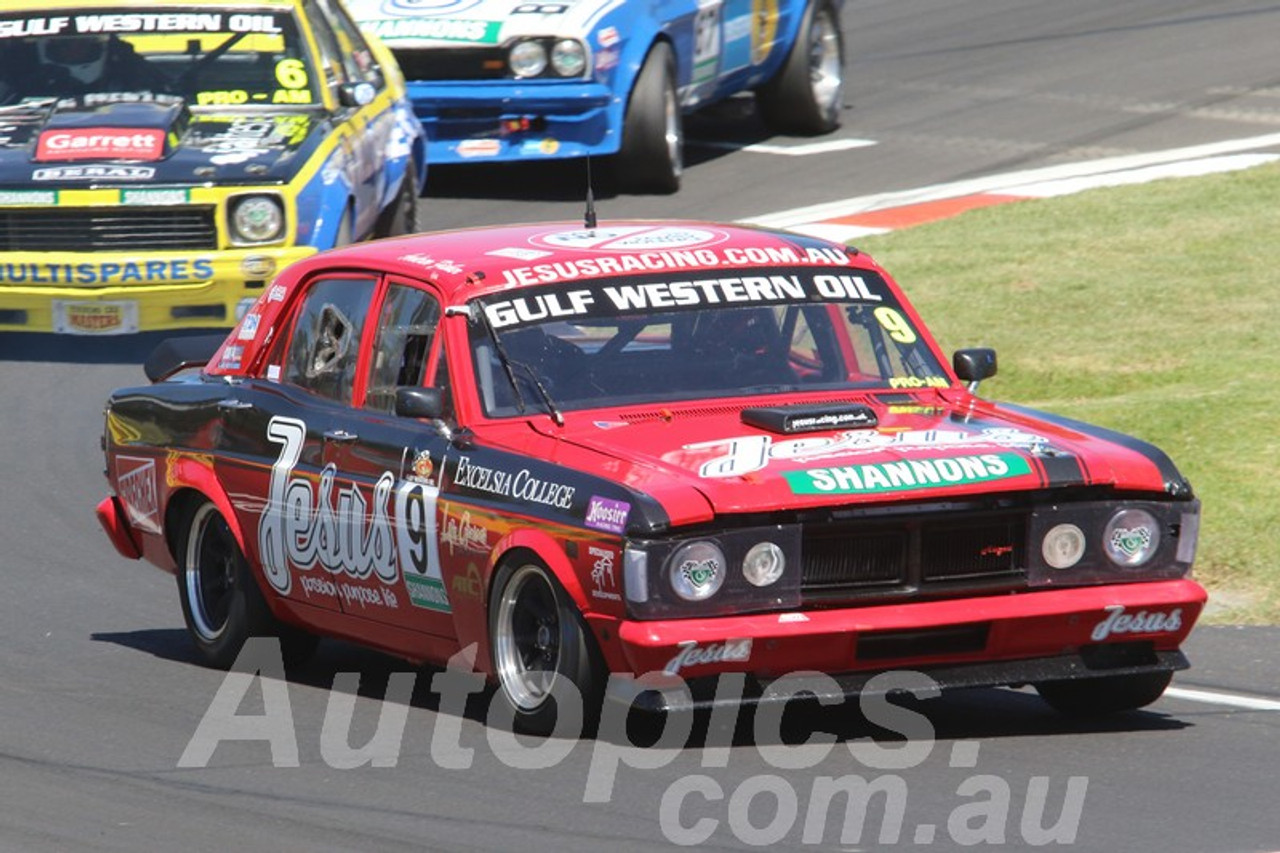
(1153, 310)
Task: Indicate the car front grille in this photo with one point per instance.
(458, 63)
(108, 229)
(843, 560)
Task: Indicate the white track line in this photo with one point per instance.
(1007, 181)
(1213, 697)
(802, 150)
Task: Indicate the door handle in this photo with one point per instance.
(231, 404)
(339, 435)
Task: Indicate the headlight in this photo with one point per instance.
(697, 570)
(528, 59)
(763, 564)
(1063, 546)
(256, 219)
(568, 58)
(1131, 537)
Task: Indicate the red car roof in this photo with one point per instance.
(475, 261)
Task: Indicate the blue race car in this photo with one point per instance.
(504, 80)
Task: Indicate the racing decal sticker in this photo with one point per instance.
(632, 238)
(383, 536)
(249, 327)
(392, 30)
(692, 654)
(479, 148)
(468, 584)
(95, 318)
(907, 475)
(136, 487)
(231, 358)
(749, 453)
(604, 581)
(41, 197)
(1142, 622)
(706, 41)
(519, 254)
(99, 143)
(523, 485)
(617, 300)
(673, 259)
(764, 32)
(155, 196)
(94, 173)
(108, 273)
(607, 515)
(460, 534)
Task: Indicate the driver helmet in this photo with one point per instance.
(84, 57)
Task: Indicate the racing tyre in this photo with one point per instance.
(221, 602)
(1109, 694)
(541, 648)
(652, 155)
(805, 96)
(401, 217)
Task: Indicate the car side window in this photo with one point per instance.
(406, 327)
(356, 55)
(324, 350)
(330, 55)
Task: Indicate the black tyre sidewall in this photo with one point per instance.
(248, 615)
(401, 217)
(644, 163)
(245, 616)
(786, 102)
(579, 661)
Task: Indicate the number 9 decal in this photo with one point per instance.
(896, 325)
(291, 73)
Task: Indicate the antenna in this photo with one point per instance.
(589, 219)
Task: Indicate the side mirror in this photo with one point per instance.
(427, 403)
(974, 365)
(356, 94)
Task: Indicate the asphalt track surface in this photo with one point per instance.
(101, 696)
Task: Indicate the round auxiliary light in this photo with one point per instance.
(763, 564)
(527, 59)
(1063, 546)
(697, 570)
(568, 58)
(1131, 537)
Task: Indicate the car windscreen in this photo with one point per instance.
(210, 57)
(637, 341)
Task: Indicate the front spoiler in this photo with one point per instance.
(701, 693)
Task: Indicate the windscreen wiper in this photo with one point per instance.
(509, 367)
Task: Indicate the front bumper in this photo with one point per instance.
(1010, 639)
(112, 294)
(495, 121)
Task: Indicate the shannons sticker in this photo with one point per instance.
(907, 475)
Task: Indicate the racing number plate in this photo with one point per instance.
(95, 318)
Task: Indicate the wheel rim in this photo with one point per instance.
(210, 573)
(672, 134)
(527, 640)
(825, 76)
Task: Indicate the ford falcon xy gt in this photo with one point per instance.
(669, 449)
(160, 163)
(508, 80)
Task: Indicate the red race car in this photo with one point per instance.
(678, 449)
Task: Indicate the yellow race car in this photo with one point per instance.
(159, 163)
